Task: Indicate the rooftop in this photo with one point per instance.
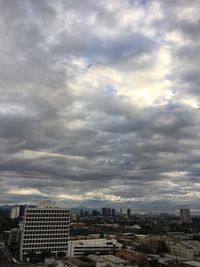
(95, 258)
(192, 263)
(114, 259)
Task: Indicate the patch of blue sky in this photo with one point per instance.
(111, 90)
(140, 2)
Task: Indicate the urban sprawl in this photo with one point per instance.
(47, 235)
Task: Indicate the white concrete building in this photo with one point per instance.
(14, 213)
(187, 249)
(78, 248)
(45, 228)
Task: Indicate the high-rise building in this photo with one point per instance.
(113, 212)
(128, 213)
(104, 212)
(81, 213)
(14, 213)
(45, 228)
(185, 216)
(121, 211)
(108, 212)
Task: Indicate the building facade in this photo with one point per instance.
(79, 248)
(14, 213)
(133, 257)
(185, 216)
(45, 228)
(189, 249)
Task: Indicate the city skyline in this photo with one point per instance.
(100, 104)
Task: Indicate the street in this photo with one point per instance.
(4, 260)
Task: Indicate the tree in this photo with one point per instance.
(46, 253)
(143, 249)
(61, 254)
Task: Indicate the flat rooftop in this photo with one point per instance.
(192, 263)
(114, 259)
(96, 258)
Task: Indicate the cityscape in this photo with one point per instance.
(48, 235)
(100, 133)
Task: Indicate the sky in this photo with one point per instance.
(99, 103)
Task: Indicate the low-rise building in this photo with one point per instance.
(188, 249)
(79, 248)
(114, 261)
(191, 264)
(97, 260)
(133, 257)
(14, 236)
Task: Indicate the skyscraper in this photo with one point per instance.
(113, 212)
(104, 212)
(14, 213)
(185, 216)
(121, 211)
(108, 212)
(45, 228)
(128, 213)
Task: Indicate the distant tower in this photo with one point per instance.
(104, 212)
(113, 212)
(81, 213)
(121, 211)
(108, 212)
(185, 216)
(128, 213)
(14, 213)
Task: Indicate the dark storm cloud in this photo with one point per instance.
(87, 113)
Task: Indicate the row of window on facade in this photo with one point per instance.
(44, 223)
(64, 212)
(55, 249)
(59, 219)
(44, 236)
(33, 241)
(43, 246)
(40, 234)
(52, 228)
(40, 215)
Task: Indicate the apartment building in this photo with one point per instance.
(185, 216)
(45, 228)
(186, 249)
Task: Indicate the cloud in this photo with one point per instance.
(100, 103)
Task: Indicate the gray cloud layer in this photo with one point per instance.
(100, 103)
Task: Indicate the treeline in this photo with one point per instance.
(6, 223)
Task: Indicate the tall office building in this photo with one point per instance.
(113, 212)
(121, 211)
(45, 228)
(14, 213)
(104, 212)
(81, 213)
(108, 212)
(128, 213)
(185, 216)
